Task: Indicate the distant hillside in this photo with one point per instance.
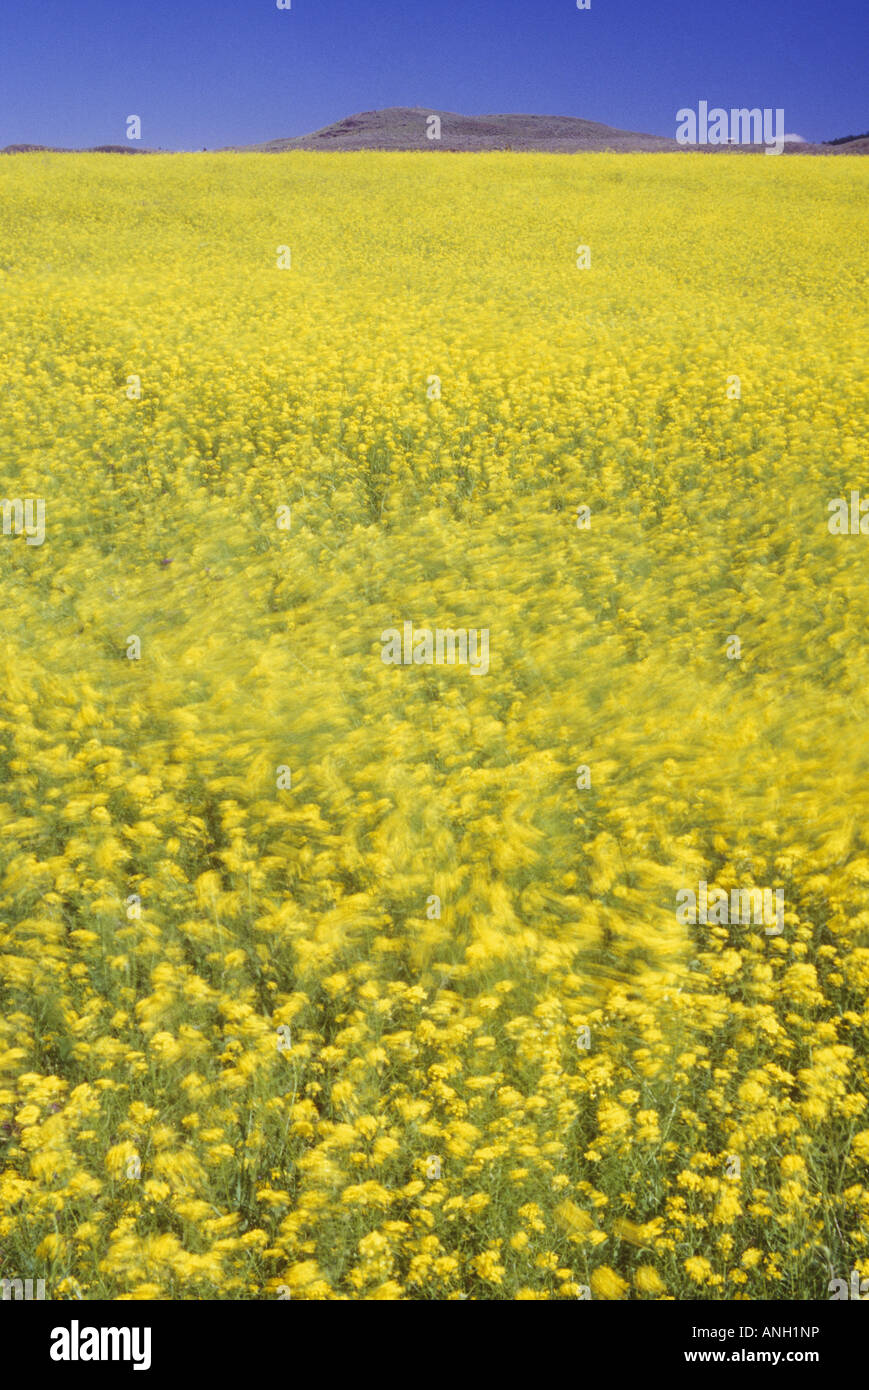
(847, 139)
(858, 144)
(57, 149)
(405, 127)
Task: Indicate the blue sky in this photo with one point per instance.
(218, 72)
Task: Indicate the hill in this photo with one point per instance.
(405, 128)
(58, 149)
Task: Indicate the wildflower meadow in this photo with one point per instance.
(434, 781)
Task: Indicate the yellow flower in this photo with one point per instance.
(51, 1247)
(606, 1283)
(478, 1202)
(637, 1234)
(532, 1215)
(698, 1269)
(860, 1145)
(727, 1208)
(648, 1280)
(388, 1292)
(573, 1219)
(301, 1275)
(487, 1267)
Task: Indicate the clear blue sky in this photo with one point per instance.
(218, 72)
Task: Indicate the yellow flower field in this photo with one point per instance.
(327, 978)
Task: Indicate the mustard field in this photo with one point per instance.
(435, 604)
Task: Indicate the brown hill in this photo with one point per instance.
(59, 149)
(859, 145)
(405, 128)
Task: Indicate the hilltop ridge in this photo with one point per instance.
(407, 128)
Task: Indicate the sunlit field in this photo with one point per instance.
(330, 976)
